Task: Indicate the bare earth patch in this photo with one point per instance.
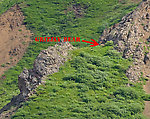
(146, 88)
(14, 38)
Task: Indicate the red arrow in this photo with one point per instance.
(94, 42)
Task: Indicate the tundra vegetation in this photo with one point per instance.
(91, 85)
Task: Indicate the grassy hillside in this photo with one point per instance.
(45, 17)
(6, 4)
(92, 85)
(80, 18)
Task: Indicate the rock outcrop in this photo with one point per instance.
(46, 63)
(131, 37)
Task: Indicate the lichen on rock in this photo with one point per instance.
(46, 63)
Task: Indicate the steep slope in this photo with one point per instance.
(14, 38)
(131, 37)
(91, 85)
(43, 22)
(46, 63)
(46, 17)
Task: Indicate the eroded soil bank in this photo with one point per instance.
(14, 38)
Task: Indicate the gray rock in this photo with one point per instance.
(129, 36)
(46, 63)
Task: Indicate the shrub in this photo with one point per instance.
(127, 92)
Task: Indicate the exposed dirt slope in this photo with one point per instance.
(14, 38)
(147, 103)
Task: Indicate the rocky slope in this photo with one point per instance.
(47, 62)
(131, 37)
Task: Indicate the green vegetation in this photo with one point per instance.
(45, 17)
(6, 4)
(20, 30)
(84, 18)
(92, 85)
(3, 65)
